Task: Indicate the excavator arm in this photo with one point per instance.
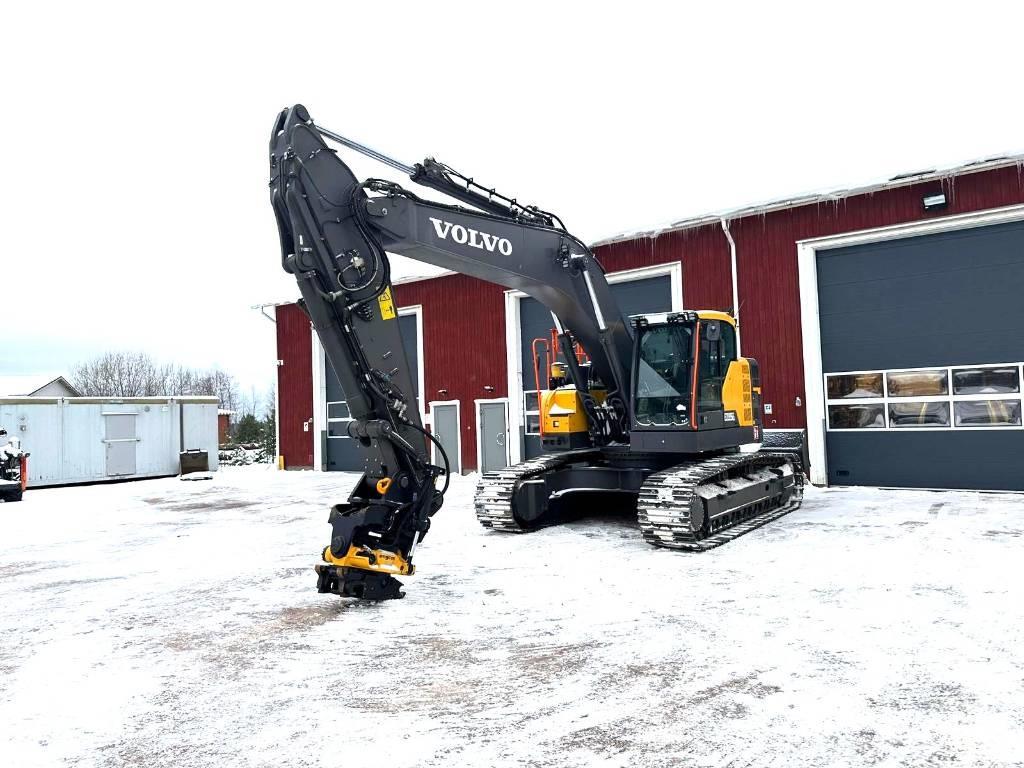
(344, 279)
(335, 234)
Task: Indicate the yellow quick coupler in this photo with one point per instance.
(378, 560)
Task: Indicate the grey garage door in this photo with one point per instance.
(341, 453)
(635, 297)
(922, 344)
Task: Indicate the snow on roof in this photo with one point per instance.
(27, 385)
(899, 180)
(225, 412)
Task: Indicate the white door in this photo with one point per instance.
(121, 443)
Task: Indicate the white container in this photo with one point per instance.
(89, 439)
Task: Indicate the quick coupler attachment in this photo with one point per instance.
(355, 582)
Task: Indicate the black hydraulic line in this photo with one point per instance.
(443, 178)
(444, 455)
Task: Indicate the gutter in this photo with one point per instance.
(735, 282)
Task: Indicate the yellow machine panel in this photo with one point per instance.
(711, 314)
(563, 421)
(737, 394)
(561, 411)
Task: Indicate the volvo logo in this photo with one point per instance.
(471, 237)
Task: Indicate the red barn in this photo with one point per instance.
(888, 321)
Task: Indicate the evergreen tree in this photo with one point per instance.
(270, 436)
(249, 430)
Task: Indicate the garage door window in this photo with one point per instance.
(855, 386)
(338, 418)
(531, 411)
(985, 381)
(958, 397)
(916, 383)
(919, 414)
(988, 413)
(866, 416)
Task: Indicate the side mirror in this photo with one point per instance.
(713, 331)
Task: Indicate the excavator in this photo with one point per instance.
(653, 407)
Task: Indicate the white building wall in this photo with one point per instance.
(65, 436)
(200, 430)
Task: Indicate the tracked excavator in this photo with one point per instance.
(655, 408)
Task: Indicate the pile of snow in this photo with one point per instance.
(162, 623)
(243, 455)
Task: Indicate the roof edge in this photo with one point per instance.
(894, 182)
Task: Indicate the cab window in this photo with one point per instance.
(717, 350)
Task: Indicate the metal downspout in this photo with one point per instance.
(735, 282)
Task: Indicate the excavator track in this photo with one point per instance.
(671, 504)
(495, 490)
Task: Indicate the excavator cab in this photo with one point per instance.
(692, 392)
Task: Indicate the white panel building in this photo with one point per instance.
(87, 439)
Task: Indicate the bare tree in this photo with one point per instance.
(116, 374)
(270, 403)
(226, 388)
(245, 405)
(135, 374)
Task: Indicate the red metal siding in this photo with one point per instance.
(294, 386)
(767, 266)
(463, 318)
(707, 283)
(463, 345)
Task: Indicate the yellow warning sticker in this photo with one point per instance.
(387, 306)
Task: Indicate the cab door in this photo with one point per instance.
(717, 349)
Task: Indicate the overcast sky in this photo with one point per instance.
(134, 205)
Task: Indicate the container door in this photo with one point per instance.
(493, 428)
(121, 443)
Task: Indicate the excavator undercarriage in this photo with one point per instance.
(692, 506)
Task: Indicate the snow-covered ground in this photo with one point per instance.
(163, 623)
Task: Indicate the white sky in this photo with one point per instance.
(135, 211)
